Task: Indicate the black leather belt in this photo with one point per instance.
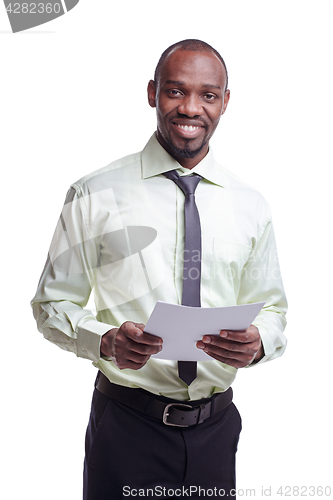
(170, 411)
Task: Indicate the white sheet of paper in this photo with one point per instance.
(181, 327)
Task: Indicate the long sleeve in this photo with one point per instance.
(67, 281)
(261, 281)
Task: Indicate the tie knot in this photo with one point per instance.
(187, 184)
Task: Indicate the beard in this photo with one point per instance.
(186, 152)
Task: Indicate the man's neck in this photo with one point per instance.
(188, 163)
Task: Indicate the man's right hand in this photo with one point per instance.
(129, 346)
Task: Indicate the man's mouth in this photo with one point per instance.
(189, 128)
(188, 131)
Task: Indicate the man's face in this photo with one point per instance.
(189, 98)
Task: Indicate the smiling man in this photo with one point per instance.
(167, 224)
(190, 95)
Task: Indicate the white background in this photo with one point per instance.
(73, 98)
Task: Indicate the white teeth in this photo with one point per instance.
(188, 128)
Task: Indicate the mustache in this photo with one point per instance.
(194, 121)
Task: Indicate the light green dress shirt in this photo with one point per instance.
(121, 234)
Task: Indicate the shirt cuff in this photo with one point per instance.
(89, 336)
(270, 349)
(267, 346)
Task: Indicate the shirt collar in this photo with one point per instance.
(155, 160)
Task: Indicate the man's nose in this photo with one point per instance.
(190, 106)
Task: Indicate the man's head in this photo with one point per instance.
(190, 45)
(190, 95)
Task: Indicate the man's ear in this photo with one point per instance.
(225, 101)
(151, 90)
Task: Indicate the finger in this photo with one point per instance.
(227, 353)
(146, 338)
(228, 349)
(235, 363)
(236, 336)
(143, 349)
(123, 363)
(229, 345)
(200, 344)
(237, 360)
(139, 325)
(137, 335)
(124, 354)
(249, 335)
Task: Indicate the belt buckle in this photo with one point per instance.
(166, 414)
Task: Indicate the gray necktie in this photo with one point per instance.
(187, 370)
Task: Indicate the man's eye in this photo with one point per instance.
(210, 97)
(174, 93)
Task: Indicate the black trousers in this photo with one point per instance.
(129, 454)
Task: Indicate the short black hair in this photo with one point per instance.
(190, 44)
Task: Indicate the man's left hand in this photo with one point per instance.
(237, 349)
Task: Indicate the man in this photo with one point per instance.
(122, 233)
